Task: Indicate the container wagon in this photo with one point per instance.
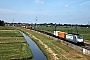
(56, 33)
(28, 27)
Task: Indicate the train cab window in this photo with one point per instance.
(79, 37)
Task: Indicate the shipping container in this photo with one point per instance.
(62, 34)
(22, 26)
(56, 33)
(28, 27)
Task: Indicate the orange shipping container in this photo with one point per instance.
(62, 34)
(28, 27)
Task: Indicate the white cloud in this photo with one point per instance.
(85, 2)
(39, 2)
(6, 11)
(42, 2)
(66, 5)
(70, 3)
(73, 2)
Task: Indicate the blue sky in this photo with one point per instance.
(46, 11)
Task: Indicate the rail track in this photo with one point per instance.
(86, 46)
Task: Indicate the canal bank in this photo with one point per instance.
(38, 54)
(45, 48)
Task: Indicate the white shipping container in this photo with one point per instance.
(56, 33)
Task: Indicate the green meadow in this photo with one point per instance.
(13, 45)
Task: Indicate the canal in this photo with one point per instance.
(38, 54)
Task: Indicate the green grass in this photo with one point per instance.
(56, 46)
(7, 28)
(12, 39)
(13, 45)
(10, 33)
(14, 50)
(86, 37)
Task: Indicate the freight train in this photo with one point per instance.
(70, 37)
(76, 38)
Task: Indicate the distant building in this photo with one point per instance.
(7, 24)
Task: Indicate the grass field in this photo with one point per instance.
(10, 33)
(13, 45)
(63, 52)
(82, 31)
(7, 28)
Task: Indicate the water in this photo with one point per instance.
(38, 54)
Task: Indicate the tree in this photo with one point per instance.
(1, 23)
